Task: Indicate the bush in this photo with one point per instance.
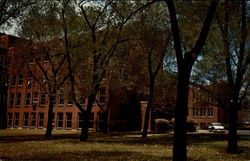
(191, 124)
(161, 125)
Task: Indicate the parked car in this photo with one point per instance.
(216, 127)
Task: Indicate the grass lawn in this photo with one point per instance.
(31, 145)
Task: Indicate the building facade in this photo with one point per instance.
(201, 107)
(24, 102)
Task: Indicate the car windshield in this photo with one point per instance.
(216, 124)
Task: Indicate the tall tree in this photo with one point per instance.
(237, 59)
(153, 41)
(40, 27)
(185, 62)
(102, 32)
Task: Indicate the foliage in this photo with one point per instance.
(11, 10)
(161, 125)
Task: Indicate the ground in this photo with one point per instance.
(127, 146)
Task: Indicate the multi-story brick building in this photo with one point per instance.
(24, 103)
(201, 107)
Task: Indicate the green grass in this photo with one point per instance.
(31, 145)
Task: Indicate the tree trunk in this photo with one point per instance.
(87, 114)
(106, 115)
(3, 108)
(150, 101)
(180, 144)
(232, 131)
(49, 129)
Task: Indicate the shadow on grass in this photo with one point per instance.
(90, 156)
(122, 137)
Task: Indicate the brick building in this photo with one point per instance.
(24, 103)
(201, 107)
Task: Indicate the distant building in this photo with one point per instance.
(202, 108)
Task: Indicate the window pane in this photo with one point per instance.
(59, 120)
(25, 119)
(20, 79)
(11, 99)
(13, 80)
(28, 99)
(9, 120)
(42, 99)
(16, 119)
(40, 120)
(60, 99)
(18, 99)
(68, 120)
(33, 119)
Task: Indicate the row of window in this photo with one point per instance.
(29, 120)
(28, 100)
(36, 120)
(42, 100)
(203, 112)
(18, 79)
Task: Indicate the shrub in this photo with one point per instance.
(161, 125)
(191, 124)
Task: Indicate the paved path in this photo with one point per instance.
(240, 132)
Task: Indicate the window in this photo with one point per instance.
(20, 79)
(68, 120)
(35, 98)
(70, 99)
(195, 112)
(210, 112)
(102, 95)
(40, 120)
(9, 119)
(25, 119)
(60, 120)
(60, 99)
(16, 119)
(13, 80)
(42, 99)
(27, 99)
(29, 76)
(18, 99)
(80, 120)
(29, 79)
(11, 99)
(203, 112)
(33, 120)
